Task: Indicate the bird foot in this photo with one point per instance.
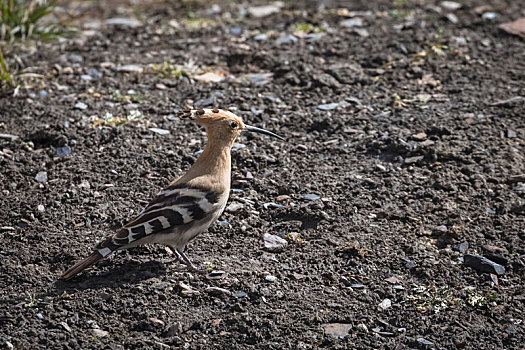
(183, 258)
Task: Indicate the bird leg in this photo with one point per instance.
(183, 258)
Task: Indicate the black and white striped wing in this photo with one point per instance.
(176, 208)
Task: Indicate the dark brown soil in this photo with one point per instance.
(415, 168)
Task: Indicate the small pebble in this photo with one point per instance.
(41, 177)
(235, 31)
(40, 316)
(129, 68)
(99, 333)
(160, 131)
(419, 137)
(41, 208)
(260, 37)
(451, 5)
(75, 58)
(234, 207)
(61, 151)
(352, 22)
(282, 198)
(441, 228)
(424, 342)
(489, 15)
(328, 107)
(81, 105)
(310, 197)
(65, 326)
(385, 304)
(271, 278)
(124, 22)
(95, 73)
(274, 243)
(452, 18)
(156, 322)
(215, 275)
(272, 205)
(285, 39)
(218, 290)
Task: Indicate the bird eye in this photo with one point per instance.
(233, 125)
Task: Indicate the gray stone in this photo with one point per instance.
(326, 80)
(156, 322)
(130, 68)
(65, 326)
(328, 107)
(9, 137)
(274, 243)
(462, 247)
(234, 207)
(489, 15)
(124, 22)
(41, 177)
(425, 343)
(95, 73)
(310, 197)
(160, 131)
(452, 18)
(352, 22)
(337, 330)
(263, 11)
(483, 264)
(260, 37)
(236, 31)
(384, 305)
(285, 39)
(259, 78)
(450, 5)
(270, 278)
(75, 58)
(81, 105)
(215, 275)
(413, 160)
(218, 291)
(61, 151)
(99, 333)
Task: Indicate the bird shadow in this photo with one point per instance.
(129, 272)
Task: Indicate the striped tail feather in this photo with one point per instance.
(82, 265)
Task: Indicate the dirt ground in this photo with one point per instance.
(404, 152)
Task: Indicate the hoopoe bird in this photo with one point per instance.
(188, 205)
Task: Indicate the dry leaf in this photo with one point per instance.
(517, 27)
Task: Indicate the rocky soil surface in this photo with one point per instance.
(393, 216)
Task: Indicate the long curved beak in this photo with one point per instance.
(261, 131)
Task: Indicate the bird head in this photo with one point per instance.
(221, 123)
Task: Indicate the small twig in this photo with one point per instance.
(508, 102)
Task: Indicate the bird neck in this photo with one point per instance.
(215, 160)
